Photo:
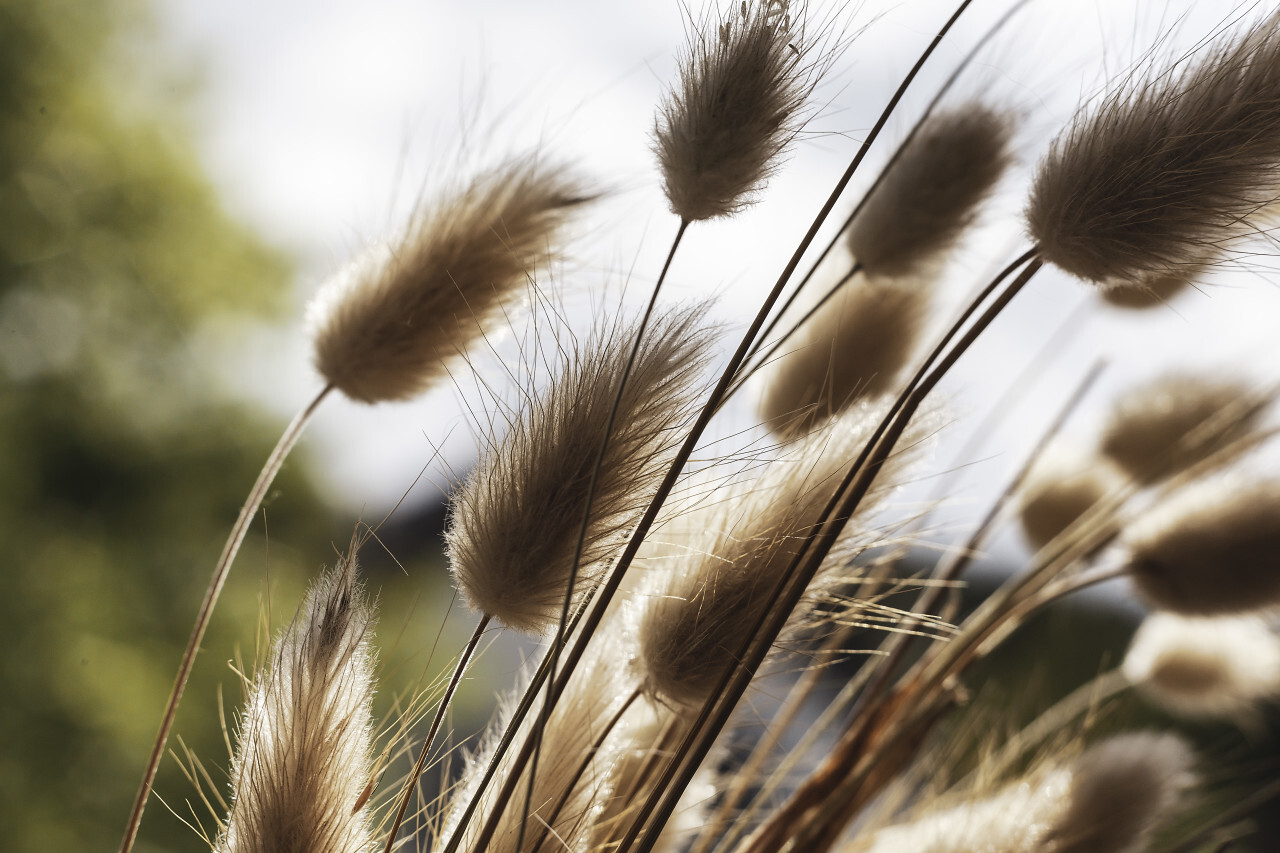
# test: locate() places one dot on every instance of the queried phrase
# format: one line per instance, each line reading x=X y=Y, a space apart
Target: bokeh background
x=178 y=177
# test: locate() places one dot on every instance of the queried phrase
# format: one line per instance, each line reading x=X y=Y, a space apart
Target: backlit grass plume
x=1163 y=173
x=1223 y=667
x=1162 y=427
x=303 y=755
x=514 y=524
x=742 y=97
x=1210 y=549
x=931 y=192
x=854 y=347
x=383 y=329
x=1063 y=485
x=700 y=612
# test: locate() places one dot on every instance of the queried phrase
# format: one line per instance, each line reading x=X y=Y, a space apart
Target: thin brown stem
x=458 y=671
x=545 y=712
x=799 y=324
x=220 y=571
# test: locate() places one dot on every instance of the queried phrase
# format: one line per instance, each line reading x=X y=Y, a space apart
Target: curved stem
x=808 y=315
x=236 y=538
x=545 y=712
x=458 y=671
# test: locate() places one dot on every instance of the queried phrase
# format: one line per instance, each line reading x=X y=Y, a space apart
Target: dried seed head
x=1205 y=667
x=1014 y=820
x=1171 y=424
x=854 y=347
x=741 y=100
x=1210 y=549
x=701 y=610
x=384 y=327
x=1063 y=485
x=1122 y=789
x=1152 y=292
x=303 y=761
x=514 y=523
x=1168 y=169
x=564 y=800
x=931 y=193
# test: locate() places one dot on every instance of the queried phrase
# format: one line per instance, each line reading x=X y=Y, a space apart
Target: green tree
x=122 y=467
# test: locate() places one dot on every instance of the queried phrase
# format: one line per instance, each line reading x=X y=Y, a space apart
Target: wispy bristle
x=514 y=523
x=1122 y=789
x=303 y=760
x=1062 y=486
x=1205 y=667
x=1168 y=169
x=741 y=100
x=931 y=193
x=1152 y=292
x=853 y=348
x=383 y=329
x=1210 y=549
x=564 y=802
x=701 y=610
x=1012 y=820
x=1168 y=425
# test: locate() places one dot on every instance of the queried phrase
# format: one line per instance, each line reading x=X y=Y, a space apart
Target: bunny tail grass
x=931 y=192
x=514 y=524
x=236 y=538
x=383 y=329
x=1169 y=169
x=740 y=101
x=303 y=756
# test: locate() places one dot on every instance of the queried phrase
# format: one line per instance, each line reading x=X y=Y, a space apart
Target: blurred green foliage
x=122 y=467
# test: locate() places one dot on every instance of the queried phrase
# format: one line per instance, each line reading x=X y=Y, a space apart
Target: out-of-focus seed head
x=1122 y=790
x=383 y=329
x=853 y=348
x=1168 y=425
x=744 y=84
x=1210 y=549
x=1220 y=667
x=1165 y=172
x=931 y=193
x=1061 y=486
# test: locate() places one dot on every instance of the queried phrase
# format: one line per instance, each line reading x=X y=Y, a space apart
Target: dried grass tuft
x=514 y=523
x=854 y=348
x=1167 y=170
x=383 y=329
x=1210 y=549
x=741 y=99
x=303 y=757
x=931 y=193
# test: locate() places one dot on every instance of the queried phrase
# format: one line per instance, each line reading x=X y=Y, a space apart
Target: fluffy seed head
x=1165 y=171
x=383 y=328
x=1014 y=820
x=302 y=760
x=1171 y=424
x=1152 y=292
x=1210 y=549
x=1205 y=667
x=1062 y=486
x=853 y=348
x=931 y=193
x=740 y=101
x=700 y=611
x=564 y=802
x=1122 y=789
x=514 y=523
